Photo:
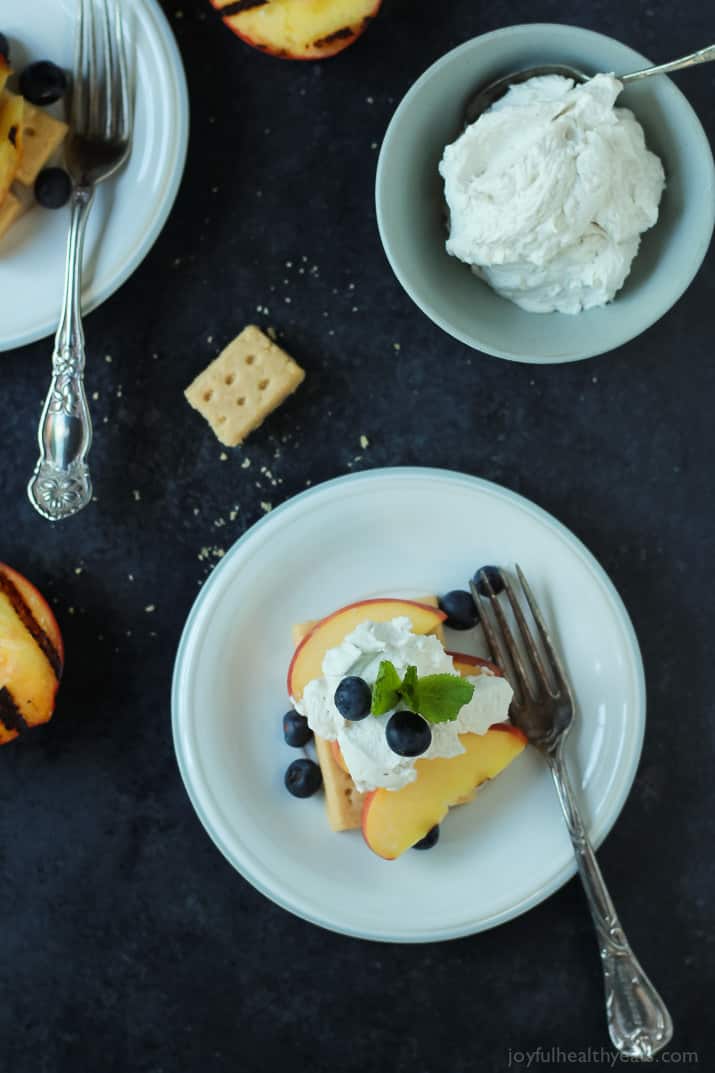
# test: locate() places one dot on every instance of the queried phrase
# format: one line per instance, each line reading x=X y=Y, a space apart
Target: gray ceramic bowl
x=410 y=215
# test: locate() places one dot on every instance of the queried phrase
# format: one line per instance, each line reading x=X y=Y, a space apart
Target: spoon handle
x=703 y=55
x=638 y=1021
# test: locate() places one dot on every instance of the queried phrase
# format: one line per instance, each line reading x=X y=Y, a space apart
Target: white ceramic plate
x=397 y=532
x=140 y=197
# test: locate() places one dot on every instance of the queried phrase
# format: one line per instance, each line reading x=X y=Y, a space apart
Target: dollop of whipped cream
x=549 y=192
x=371 y=761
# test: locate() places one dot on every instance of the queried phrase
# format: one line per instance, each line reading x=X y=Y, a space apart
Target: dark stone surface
x=127 y=942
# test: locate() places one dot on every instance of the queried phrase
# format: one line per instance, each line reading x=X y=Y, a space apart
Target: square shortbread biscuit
x=42 y=136
x=246 y=382
x=10 y=208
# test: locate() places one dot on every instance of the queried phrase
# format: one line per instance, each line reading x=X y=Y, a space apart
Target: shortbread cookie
x=343 y=802
x=42 y=136
x=10 y=209
x=246 y=382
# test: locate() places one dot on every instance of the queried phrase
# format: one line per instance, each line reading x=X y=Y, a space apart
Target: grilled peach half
x=31 y=656
x=298 y=29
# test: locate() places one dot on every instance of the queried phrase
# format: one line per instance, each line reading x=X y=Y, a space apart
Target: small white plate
x=131 y=209
x=401 y=532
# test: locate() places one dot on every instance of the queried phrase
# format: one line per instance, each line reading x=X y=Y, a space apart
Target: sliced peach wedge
x=308 y=657
x=393 y=820
x=467 y=665
x=298 y=29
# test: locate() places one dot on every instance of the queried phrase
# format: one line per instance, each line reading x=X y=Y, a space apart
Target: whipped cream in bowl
x=363 y=744
x=549 y=192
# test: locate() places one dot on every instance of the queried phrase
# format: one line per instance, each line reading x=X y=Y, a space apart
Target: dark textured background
x=127 y=943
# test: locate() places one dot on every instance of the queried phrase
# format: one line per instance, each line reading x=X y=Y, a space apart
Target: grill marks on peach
x=235 y=7
x=338 y=35
x=10 y=715
x=9 y=590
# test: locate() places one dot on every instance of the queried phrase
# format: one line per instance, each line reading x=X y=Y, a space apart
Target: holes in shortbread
x=208 y=395
x=221 y=419
x=250 y=359
x=263 y=384
x=229 y=379
x=240 y=400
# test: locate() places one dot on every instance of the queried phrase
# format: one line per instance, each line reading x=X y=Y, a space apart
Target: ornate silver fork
x=638 y=1021
x=98 y=144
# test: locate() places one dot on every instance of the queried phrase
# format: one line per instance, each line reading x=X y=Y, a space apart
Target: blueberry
x=4 y=47
x=303 y=778
x=43 y=82
x=408 y=734
x=53 y=187
x=353 y=698
x=460 y=609
x=296 y=730
x=494 y=580
x=431 y=839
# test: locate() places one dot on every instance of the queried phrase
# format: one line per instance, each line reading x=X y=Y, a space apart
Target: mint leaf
x=408 y=687
x=439 y=697
x=386 y=691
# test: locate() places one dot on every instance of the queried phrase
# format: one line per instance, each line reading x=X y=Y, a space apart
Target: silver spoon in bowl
x=485 y=97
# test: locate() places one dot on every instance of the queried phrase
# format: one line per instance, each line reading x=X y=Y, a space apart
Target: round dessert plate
x=131 y=209
x=403 y=532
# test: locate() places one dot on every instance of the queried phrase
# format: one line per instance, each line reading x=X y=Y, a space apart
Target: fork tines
x=100 y=106
x=507 y=640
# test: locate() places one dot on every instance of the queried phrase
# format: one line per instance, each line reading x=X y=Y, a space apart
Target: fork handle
x=638 y=1020
x=60 y=485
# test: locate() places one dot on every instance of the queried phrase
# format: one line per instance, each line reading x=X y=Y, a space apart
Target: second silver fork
x=98 y=144
x=638 y=1020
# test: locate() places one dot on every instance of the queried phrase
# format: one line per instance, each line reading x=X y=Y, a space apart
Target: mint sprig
x=386 y=691
x=438 y=698
x=408 y=690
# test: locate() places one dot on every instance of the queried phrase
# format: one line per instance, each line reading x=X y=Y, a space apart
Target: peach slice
x=473 y=665
x=31 y=655
x=393 y=820
x=298 y=29
x=307 y=659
